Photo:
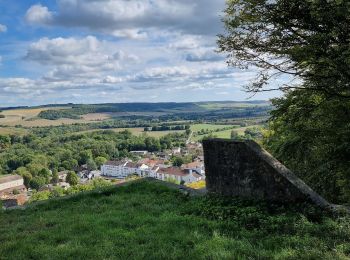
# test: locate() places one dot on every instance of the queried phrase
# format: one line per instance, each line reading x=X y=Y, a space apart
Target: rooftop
x=9 y=178
x=173 y=171
x=116 y=163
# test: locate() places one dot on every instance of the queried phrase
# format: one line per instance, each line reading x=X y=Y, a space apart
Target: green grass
x=198 y=127
x=225 y=133
x=149 y=221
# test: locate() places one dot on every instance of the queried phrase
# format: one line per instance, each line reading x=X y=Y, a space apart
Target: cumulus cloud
x=126 y=18
x=38 y=14
x=201 y=55
x=3 y=28
x=72 y=58
x=16 y=85
x=181 y=74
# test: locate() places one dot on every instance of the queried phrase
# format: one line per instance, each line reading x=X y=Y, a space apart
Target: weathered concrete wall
x=243 y=168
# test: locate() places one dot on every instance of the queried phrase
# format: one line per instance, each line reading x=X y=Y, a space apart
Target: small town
x=157 y=165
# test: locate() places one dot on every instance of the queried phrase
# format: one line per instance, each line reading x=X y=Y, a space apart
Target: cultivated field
x=29 y=118
x=199 y=127
x=223 y=134
x=12 y=131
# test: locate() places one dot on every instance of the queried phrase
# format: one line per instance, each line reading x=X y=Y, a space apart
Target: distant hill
x=169 y=110
x=150 y=221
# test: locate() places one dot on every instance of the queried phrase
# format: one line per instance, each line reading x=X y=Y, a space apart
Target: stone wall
x=243 y=168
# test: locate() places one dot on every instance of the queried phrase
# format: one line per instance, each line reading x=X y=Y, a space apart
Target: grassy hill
x=147 y=220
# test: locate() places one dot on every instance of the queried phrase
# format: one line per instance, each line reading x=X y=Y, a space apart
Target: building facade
x=10 y=183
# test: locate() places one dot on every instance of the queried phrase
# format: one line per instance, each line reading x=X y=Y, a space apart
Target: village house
x=118 y=169
x=179 y=175
x=154 y=168
x=196 y=166
x=10 y=183
x=139 y=153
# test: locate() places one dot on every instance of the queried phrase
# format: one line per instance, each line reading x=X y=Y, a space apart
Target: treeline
x=105 y=125
x=221 y=114
x=167 y=128
x=76 y=112
x=37 y=158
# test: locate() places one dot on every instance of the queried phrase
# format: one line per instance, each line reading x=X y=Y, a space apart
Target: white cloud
x=186 y=42
x=38 y=14
x=73 y=58
x=3 y=28
x=204 y=54
x=16 y=85
x=124 y=18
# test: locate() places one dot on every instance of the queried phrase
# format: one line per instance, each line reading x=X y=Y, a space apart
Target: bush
x=72 y=178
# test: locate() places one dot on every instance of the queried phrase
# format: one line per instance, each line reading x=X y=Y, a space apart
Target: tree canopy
x=307 y=42
x=305 y=39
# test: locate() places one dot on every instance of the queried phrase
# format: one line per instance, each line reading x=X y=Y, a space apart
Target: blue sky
x=94 y=51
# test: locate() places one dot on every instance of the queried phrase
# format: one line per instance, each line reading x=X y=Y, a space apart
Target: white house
x=118 y=169
x=10 y=183
x=139 y=152
x=193 y=176
x=178 y=174
x=196 y=166
x=189 y=173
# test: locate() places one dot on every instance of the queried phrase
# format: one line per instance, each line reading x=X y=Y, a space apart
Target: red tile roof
x=192 y=165
x=173 y=171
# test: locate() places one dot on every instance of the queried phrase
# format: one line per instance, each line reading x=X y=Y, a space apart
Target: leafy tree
x=306 y=39
x=55 y=177
x=27 y=176
x=177 y=161
x=35 y=168
x=91 y=165
x=72 y=178
x=45 y=173
x=5 y=142
x=314 y=142
x=84 y=156
x=100 y=161
x=70 y=164
x=41 y=195
x=306 y=42
x=37 y=182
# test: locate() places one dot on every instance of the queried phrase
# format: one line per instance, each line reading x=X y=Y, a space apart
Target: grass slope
x=149 y=221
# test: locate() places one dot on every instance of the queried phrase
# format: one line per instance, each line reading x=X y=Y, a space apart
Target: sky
x=100 y=51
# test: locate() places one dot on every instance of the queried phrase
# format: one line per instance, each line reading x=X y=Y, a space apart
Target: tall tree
x=305 y=39
x=72 y=178
x=307 y=42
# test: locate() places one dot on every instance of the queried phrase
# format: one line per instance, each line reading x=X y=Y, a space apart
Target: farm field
x=28 y=118
x=199 y=127
x=12 y=131
x=226 y=134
